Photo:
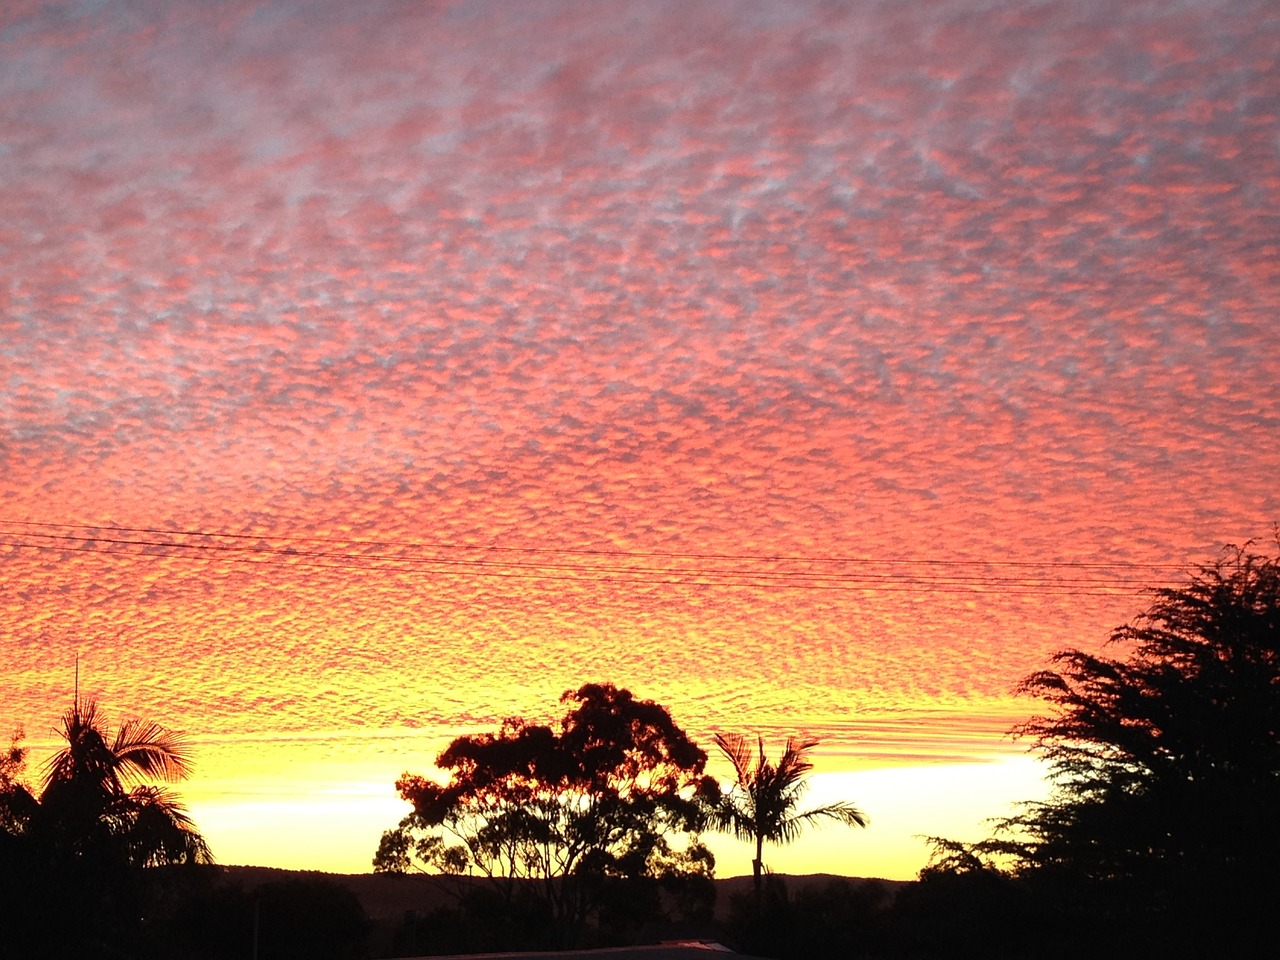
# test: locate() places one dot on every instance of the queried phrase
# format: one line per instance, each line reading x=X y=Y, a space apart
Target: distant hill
x=387 y=901
x=387 y=897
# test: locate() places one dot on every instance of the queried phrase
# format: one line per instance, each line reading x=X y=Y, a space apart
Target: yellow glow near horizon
x=321 y=821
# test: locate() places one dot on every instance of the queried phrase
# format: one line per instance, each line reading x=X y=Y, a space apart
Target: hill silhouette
x=386 y=896
x=389 y=900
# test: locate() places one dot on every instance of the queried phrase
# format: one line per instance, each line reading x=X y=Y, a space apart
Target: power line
x=903 y=584
x=413 y=559
x=848 y=574
x=497 y=548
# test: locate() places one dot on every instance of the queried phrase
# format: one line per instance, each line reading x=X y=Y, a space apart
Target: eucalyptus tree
x=562 y=820
x=762 y=804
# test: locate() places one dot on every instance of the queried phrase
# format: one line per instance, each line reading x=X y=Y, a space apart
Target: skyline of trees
x=1160 y=834
x=1160 y=831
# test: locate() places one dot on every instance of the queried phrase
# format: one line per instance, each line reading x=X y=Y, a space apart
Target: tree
x=1166 y=766
x=555 y=819
x=17 y=808
x=17 y=805
x=87 y=800
x=79 y=854
x=761 y=804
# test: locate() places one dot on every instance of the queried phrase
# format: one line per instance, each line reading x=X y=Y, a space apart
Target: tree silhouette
x=87 y=800
x=1161 y=829
x=75 y=860
x=556 y=819
x=17 y=805
x=761 y=805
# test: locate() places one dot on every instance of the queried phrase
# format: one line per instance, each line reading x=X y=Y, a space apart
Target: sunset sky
x=370 y=372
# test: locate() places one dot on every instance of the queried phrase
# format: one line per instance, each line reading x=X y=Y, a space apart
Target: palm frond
x=793 y=765
x=159 y=829
x=842 y=812
x=738 y=750
x=86 y=757
x=734 y=816
x=146 y=749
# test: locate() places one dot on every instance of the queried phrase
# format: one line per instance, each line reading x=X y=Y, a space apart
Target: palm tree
x=761 y=804
x=78 y=851
x=96 y=792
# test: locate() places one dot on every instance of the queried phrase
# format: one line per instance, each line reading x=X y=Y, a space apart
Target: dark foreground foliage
x=300 y=918
x=475 y=918
x=81 y=856
x=1162 y=835
x=98 y=862
x=837 y=919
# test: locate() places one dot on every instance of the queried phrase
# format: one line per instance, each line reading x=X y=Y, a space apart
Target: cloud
x=958 y=281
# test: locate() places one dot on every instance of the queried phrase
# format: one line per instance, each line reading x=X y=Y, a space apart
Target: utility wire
x=290 y=552
x=850 y=574
x=903 y=584
x=450 y=545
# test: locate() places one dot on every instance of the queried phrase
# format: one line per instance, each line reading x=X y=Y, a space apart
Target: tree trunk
x=757 y=866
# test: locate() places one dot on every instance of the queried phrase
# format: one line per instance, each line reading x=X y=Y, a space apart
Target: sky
x=372 y=372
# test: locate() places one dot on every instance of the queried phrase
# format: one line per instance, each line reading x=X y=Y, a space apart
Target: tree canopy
x=562 y=814
x=1165 y=762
